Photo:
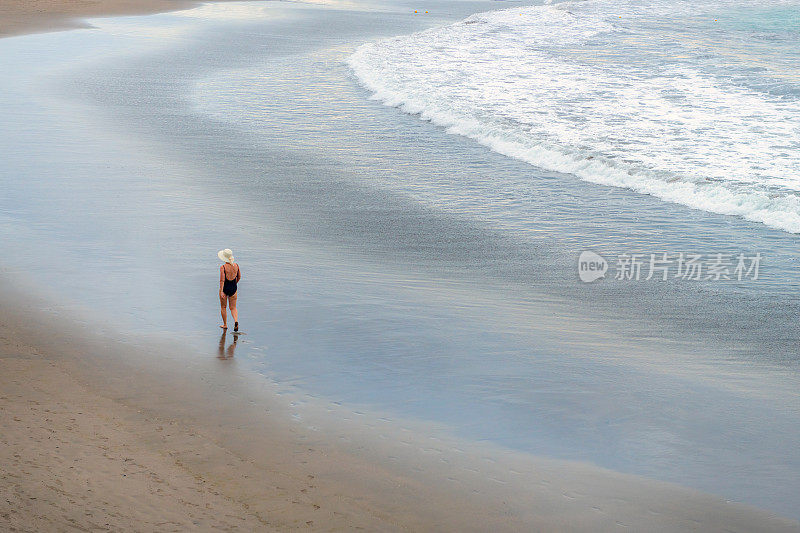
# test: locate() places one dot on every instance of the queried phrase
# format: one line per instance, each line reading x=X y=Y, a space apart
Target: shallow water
x=387 y=264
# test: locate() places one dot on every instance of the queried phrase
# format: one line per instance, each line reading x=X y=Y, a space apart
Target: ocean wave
x=669 y=99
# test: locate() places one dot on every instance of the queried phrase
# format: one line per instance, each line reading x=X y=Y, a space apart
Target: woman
x=229 y=276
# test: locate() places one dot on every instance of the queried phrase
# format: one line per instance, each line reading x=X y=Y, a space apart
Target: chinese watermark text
x=665 y=266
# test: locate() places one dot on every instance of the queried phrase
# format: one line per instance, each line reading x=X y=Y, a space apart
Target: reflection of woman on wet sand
x=229 y=276
x=226 y=354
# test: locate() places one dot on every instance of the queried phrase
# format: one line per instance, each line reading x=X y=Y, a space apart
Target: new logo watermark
x=664 y=266
x=591 y=266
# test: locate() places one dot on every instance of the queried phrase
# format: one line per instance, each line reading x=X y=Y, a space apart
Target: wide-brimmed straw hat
x=226 y=255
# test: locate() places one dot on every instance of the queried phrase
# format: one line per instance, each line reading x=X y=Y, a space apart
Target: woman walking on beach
x=229 y=276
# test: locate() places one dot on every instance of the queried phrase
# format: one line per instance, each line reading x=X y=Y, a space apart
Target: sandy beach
x=93 y=440
x=105 y=429
x=81 y=463
x=27 y=16
x=85 y=447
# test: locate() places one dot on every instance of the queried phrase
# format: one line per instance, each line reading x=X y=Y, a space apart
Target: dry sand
x=71 y=458
x=28 y=16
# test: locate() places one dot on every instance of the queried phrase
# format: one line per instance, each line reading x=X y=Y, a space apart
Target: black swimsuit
x=229 y=287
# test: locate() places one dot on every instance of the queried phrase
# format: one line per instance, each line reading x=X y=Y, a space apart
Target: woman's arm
x=238 y=273
x=221 y=279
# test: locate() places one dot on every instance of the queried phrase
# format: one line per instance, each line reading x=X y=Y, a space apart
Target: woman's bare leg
x=232 y=304
x=223 y=300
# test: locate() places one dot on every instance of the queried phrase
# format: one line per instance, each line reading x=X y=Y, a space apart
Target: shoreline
x=139 y=435
x=199 y=449
x=234 y=436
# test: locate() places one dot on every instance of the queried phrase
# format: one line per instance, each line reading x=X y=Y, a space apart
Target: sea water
x=388 y=264
x=693 y=102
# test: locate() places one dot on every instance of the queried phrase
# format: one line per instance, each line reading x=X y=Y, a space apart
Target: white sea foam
x=694 y=103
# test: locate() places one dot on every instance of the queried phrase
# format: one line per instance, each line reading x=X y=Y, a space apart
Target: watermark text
x=665 y=266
